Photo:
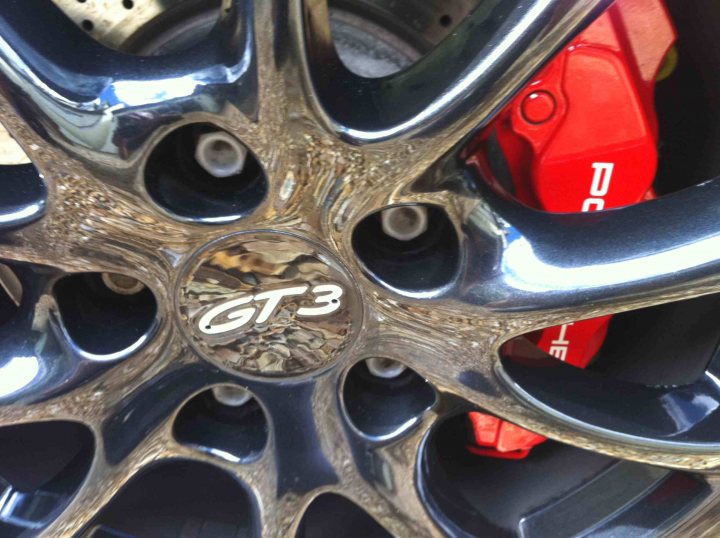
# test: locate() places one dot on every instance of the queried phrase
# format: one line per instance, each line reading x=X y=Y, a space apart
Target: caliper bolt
x=405 y=222
x=231 y=396
x=384 y=368
x=538 y=107
x=220 y=154
x=122 y=284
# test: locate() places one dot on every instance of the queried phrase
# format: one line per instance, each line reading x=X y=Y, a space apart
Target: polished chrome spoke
x=312 y=450
x=90 y=117
x=671 y=426
x=456 y=86
x=71 y=243
x=50 y=378
x=71 y=389
x=103 y=105
x=547 y=268
x=132 y=425
x=323 y=454
x=526 y=269
x=307 y=453
x=390 y=490
x=105 y=480
x=412 y=118
x=308 y=443
x=665 y=426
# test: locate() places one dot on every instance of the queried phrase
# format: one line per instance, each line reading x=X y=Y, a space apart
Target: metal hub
x=269 y=304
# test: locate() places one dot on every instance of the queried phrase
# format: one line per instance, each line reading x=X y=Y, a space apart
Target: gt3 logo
x=326 y=300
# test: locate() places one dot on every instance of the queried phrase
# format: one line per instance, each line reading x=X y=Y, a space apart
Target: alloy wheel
x=264 y=291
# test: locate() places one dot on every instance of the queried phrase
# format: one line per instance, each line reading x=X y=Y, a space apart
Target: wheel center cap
x=268 y=304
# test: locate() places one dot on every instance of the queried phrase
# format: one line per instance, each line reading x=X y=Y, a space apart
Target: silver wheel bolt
x=122 y=284
x=231 y=396
x=404 y=222
x=385 y=368
x=220 y=154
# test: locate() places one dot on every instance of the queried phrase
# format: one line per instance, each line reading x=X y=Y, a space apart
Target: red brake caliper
x=581 y=136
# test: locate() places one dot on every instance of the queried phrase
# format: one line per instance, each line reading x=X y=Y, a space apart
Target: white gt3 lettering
x=329 y=300
x=326 y=301
x=272 y=300
x=599 y=187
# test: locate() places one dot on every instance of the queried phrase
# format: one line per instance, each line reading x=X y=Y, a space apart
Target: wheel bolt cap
x=231 y=396
x=384 y=368
x=220 y=154
x=122 y=284
x=405 y=223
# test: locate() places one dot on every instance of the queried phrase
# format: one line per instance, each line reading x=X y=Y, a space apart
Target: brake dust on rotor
x=582 y=136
